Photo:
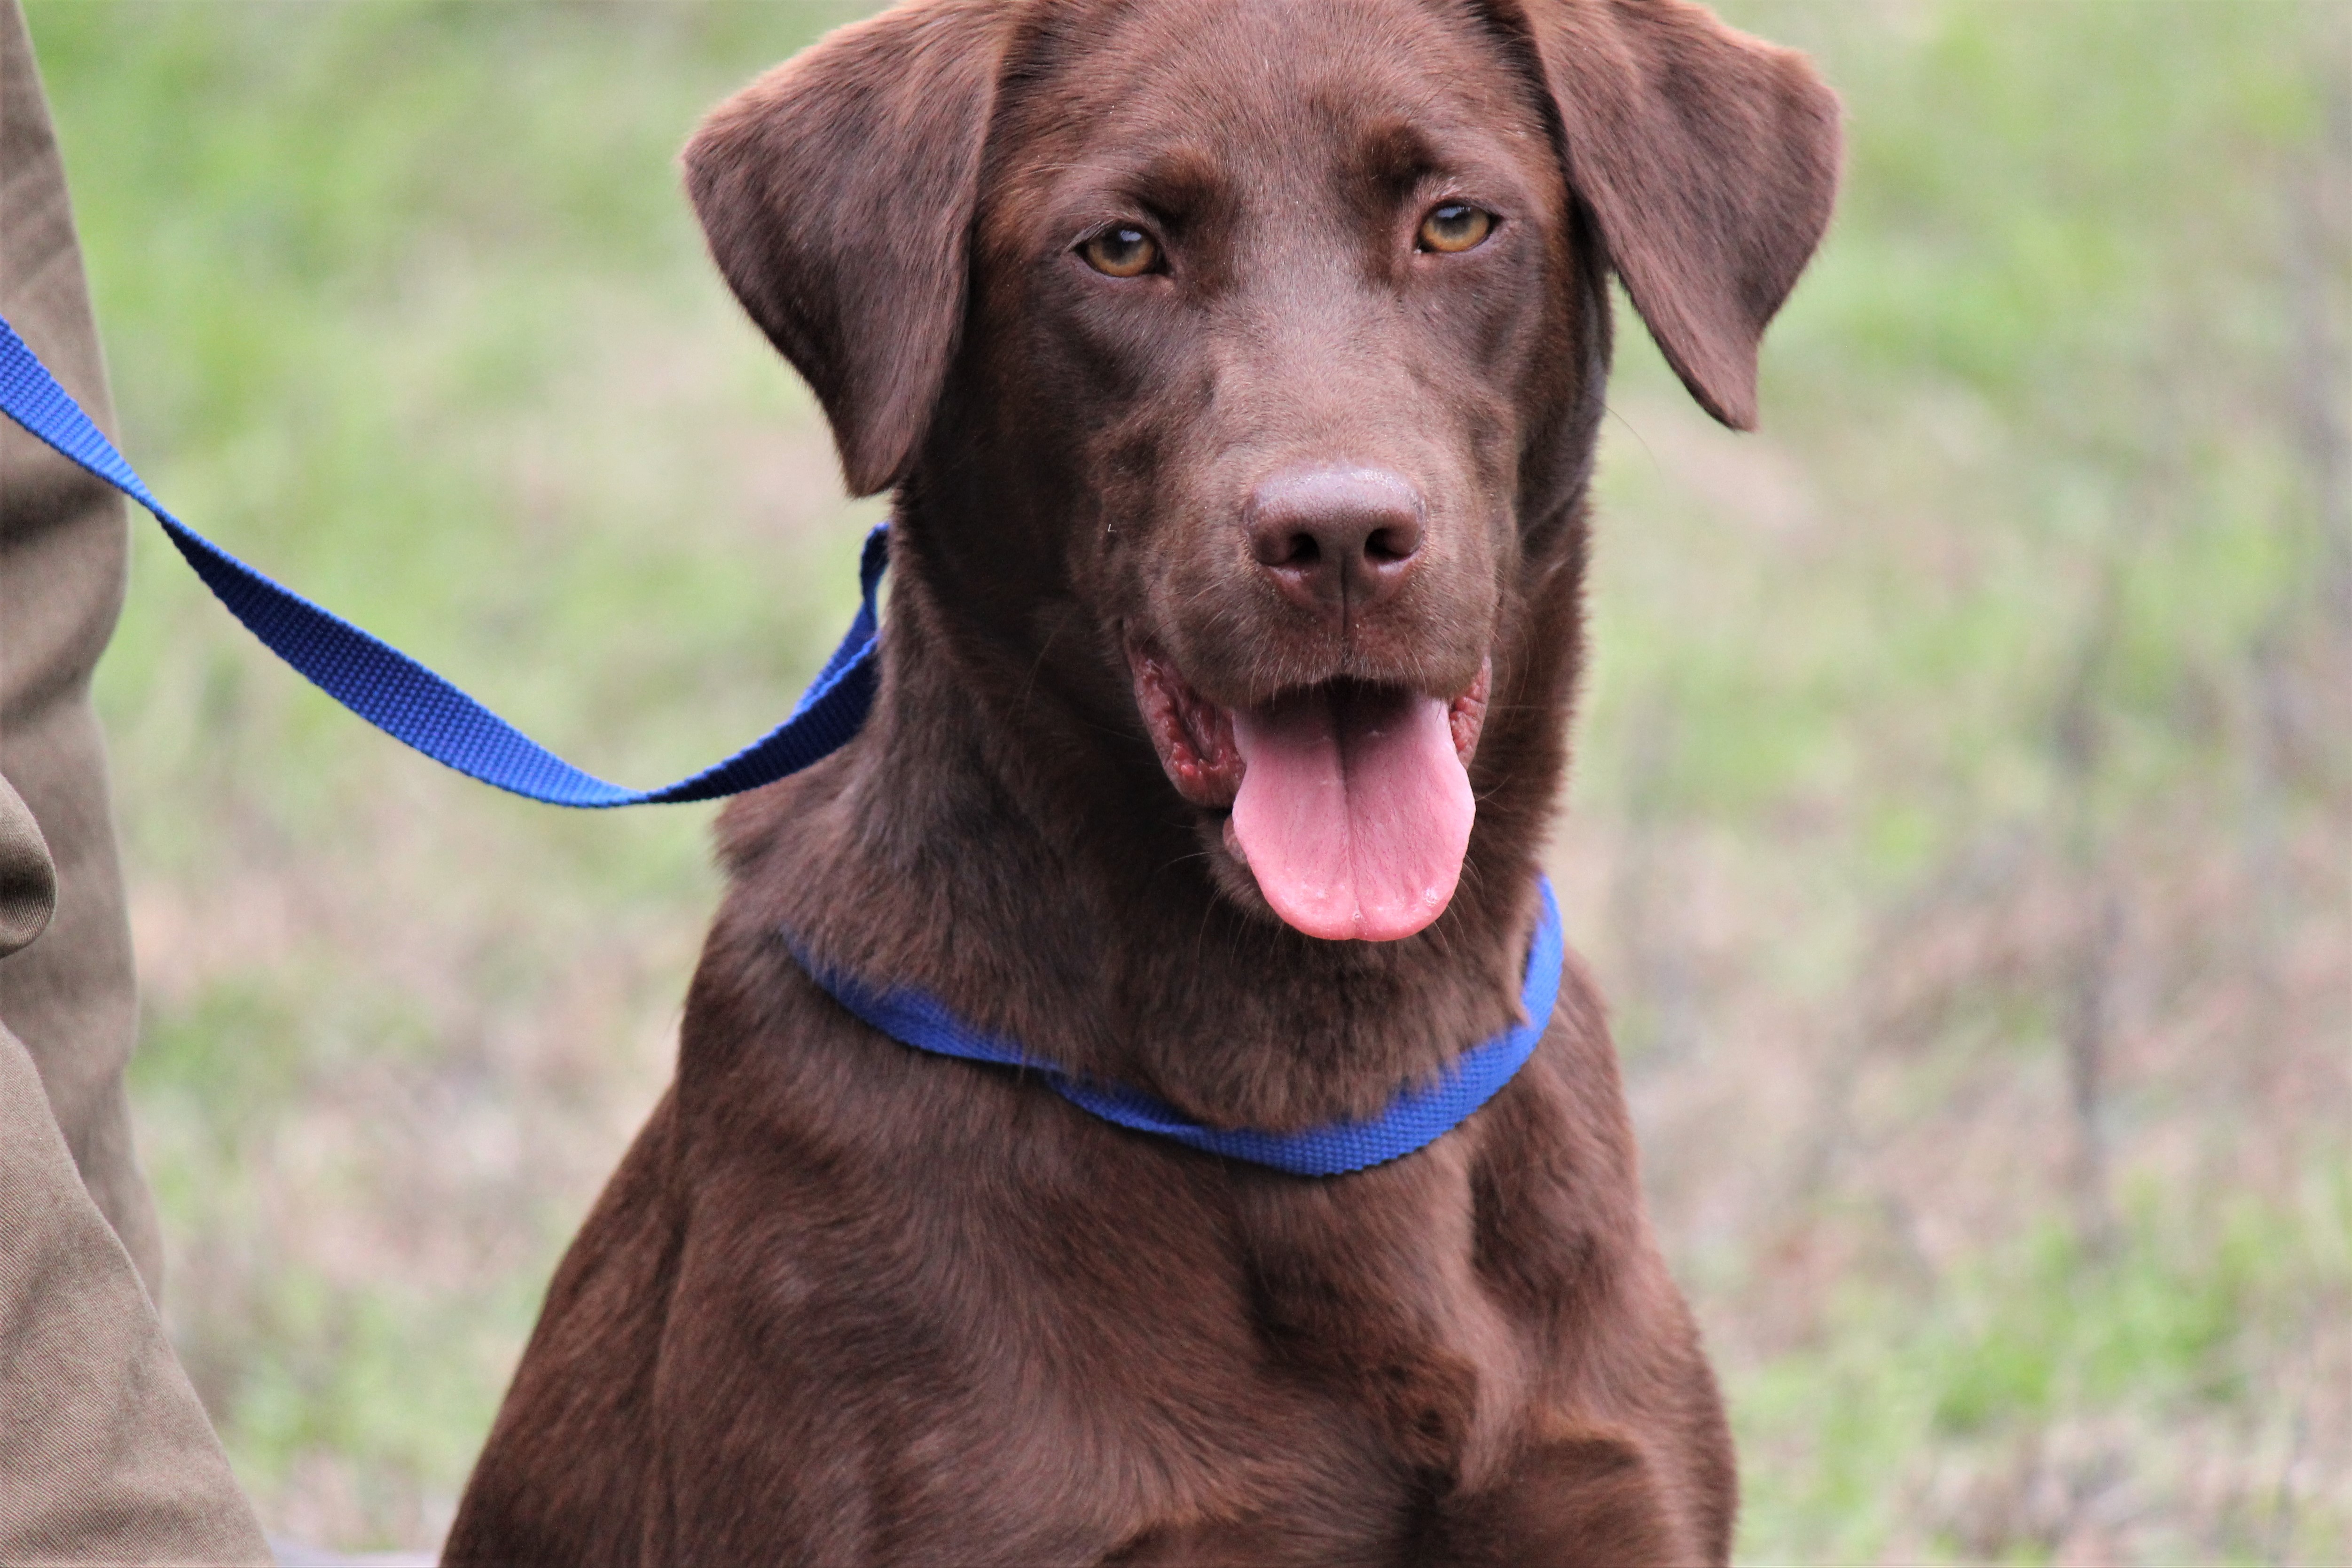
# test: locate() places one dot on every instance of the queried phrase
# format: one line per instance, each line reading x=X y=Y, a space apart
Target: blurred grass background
x=1961 y=824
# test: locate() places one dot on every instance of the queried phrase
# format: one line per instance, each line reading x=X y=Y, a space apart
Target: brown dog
x=1237 y=365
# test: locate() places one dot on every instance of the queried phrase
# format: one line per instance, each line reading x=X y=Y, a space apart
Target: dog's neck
x=994 y=837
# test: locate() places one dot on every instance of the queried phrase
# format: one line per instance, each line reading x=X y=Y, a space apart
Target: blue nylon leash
x=1415 y=1119
x=415 y=706
x=410 y=702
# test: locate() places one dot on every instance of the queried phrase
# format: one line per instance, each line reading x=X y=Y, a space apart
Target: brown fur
x=846 y=1302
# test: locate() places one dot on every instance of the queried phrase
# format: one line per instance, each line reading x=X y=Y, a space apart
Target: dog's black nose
x=1336 y=538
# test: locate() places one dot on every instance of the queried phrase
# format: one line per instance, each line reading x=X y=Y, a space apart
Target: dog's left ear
x=1709 y=160
x=837 y=193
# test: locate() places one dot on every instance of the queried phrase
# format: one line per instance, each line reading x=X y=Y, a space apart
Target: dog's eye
x=1122 y=251
x=1457 y=225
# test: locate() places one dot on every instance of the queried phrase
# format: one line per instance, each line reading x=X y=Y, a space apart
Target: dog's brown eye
x=1122 y=252
x=1457 y=225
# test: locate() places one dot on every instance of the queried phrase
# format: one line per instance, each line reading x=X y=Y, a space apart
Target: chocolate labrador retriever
x=1236 y=365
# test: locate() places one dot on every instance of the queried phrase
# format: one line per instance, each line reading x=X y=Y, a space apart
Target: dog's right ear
x=836 y=193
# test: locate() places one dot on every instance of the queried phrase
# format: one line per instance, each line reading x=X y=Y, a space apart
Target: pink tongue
x=1354 y=811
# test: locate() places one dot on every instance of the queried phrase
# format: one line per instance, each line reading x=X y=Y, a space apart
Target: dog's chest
x=1268 y=1370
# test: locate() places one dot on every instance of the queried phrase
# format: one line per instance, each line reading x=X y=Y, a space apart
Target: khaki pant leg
x=105 y=1454
x=69 y=997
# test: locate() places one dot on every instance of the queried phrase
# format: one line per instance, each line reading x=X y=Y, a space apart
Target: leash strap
x=410 y=702
x=1415 y=1120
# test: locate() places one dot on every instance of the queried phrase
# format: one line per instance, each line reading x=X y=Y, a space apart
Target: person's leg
x=105 y=1454
x=69 y=997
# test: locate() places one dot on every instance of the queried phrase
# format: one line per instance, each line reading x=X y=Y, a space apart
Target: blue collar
x=414 y=705
x=1418 y=1116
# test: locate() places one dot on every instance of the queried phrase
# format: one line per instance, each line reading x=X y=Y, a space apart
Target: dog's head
x=1241 y=360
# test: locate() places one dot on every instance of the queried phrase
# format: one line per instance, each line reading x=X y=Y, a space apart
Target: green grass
x=2022 y=1363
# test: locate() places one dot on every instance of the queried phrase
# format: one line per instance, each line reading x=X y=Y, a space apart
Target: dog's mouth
x=1348 y=801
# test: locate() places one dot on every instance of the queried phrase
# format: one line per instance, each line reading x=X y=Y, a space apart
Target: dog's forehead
x=1213 y=87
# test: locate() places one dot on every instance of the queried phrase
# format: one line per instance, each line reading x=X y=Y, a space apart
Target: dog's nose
x=1336 y=538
